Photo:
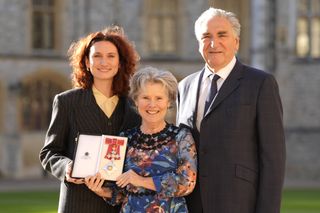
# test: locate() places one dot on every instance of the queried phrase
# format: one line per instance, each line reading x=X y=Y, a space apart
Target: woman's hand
x=130 y=177
x=68 y=175
x=94 y=183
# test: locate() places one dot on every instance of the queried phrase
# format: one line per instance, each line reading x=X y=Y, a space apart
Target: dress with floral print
x=169 y=157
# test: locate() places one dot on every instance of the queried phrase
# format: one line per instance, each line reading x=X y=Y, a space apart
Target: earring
x=88 y=69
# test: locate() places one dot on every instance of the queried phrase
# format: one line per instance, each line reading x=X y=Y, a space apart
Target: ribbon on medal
x=113 y=151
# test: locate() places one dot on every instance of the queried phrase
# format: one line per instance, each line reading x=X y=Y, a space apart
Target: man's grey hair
x=214 y=12
x=153 y=75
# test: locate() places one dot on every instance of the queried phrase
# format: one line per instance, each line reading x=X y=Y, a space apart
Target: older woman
x=160 y=166
x=102 y=63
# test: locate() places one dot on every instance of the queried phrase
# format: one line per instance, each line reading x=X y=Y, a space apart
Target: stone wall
x=298 y=80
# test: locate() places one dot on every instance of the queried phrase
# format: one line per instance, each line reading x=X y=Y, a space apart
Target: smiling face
x=103 y=61
x=152 y=103
x=218 y=43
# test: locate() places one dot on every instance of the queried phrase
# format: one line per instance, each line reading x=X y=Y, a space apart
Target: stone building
x=281 y=37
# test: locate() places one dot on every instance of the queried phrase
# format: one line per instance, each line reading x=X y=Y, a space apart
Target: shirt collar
x=224 y=72
x=98 y=94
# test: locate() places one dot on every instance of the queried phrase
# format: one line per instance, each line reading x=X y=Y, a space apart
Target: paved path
x=302 y=184
x=7 y=185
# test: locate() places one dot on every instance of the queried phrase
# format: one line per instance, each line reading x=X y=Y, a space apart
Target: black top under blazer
x=76 y=111
x=241 y=145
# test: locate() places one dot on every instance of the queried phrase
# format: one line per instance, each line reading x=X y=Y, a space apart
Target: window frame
x=45 y=10
x=308 y=15
x=161 y=15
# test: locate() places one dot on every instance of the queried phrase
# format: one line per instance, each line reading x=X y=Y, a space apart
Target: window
x=36 y=102
x=161 y=26
x=43 y=18
x=308 y=29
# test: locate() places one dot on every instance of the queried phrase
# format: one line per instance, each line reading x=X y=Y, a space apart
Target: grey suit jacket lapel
x=198 y=85
x=231 y=83
x=189 y=92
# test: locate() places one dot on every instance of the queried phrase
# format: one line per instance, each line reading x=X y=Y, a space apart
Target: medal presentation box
x=96 y=153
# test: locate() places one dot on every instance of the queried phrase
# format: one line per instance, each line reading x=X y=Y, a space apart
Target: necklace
x=155 y=141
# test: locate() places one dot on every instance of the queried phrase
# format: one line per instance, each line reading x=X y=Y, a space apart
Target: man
x=240 y=137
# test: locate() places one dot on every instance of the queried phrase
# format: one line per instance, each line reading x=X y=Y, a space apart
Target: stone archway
x=37 y=93
x=35 y=103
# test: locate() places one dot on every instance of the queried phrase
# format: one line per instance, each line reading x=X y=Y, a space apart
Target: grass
x=301 y=201
x=294 y=201
x=29 y=202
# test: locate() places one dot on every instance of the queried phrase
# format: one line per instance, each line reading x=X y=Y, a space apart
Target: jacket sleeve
x=183 y=180
x=271 y=147
x=52 y=155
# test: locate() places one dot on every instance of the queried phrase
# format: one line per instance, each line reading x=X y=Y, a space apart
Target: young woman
x=102 y=64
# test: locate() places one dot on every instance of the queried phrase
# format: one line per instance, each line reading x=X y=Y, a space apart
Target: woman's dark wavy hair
x=128 y=59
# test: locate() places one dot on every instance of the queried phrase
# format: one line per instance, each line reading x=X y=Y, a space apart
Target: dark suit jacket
x=77 y=111
x=241 y=145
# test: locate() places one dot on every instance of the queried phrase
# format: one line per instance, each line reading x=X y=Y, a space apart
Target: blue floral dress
x=169 y=157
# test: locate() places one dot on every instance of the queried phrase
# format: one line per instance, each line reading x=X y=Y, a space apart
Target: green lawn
x=294 y=201
x=301 y=201
x=29 y=202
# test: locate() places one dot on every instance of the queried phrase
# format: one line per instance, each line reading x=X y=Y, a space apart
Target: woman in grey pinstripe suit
x=102 y=64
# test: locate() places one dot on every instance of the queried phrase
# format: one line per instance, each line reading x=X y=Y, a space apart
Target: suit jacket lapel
x=88 y=111
x=189 y=92
x=198 y=81
x=231 y=83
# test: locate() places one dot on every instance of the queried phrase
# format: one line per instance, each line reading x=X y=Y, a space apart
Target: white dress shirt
x=206 y=83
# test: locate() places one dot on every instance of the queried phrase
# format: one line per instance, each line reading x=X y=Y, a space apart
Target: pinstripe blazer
x=241 y=146
x=77 y=111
